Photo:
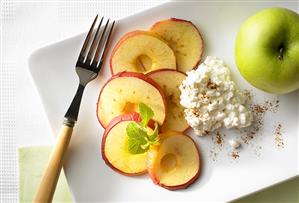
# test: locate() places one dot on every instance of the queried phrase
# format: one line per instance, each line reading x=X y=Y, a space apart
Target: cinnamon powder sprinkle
x=234 y=154
x=218 y=139
x=212 y=85
x=251 y=132
x=278 y=136
x=258 y=111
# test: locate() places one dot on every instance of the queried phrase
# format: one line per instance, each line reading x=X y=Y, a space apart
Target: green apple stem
x=280 y=56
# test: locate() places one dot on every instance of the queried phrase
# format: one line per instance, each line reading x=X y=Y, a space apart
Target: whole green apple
x=267 y=50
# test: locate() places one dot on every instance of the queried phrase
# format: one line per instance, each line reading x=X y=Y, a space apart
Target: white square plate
x=223 y=179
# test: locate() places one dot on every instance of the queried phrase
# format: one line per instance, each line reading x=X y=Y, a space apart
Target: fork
x=87 y=67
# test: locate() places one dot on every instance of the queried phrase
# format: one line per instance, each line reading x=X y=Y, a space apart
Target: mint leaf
x=137 y=139
x=134 y=147
x=154 y=136
x=146 y=114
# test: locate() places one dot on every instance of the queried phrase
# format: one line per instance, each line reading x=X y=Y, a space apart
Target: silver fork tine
x=99 y=45
x=98 y=59
x=86 y=42
x=93 y=44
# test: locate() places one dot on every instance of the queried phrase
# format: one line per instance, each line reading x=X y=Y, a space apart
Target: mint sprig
x=139 y=141
x=153 y=138
x=146 y=114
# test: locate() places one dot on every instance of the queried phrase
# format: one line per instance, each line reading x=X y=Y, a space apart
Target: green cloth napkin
x=286 y=192
x=32 y=161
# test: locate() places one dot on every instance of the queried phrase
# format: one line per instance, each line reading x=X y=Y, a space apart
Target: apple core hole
x=129 y=108
x=168 y=162
x=144 y=63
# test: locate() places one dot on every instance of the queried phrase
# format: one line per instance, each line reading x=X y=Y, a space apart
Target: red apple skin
x=124 y=38
x=185 y=21
x=181 y=186
x=166 y=69
x=137 y=75
x=185 y=131
x=126 y=117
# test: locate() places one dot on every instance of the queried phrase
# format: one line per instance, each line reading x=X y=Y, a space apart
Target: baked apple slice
x=175 y=163
x=141 y=51
x=185 y=40
x=115 y=147
x=122 y=94
x=170 y=80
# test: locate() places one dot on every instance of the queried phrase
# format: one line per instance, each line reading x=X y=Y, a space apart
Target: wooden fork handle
x=46 y=189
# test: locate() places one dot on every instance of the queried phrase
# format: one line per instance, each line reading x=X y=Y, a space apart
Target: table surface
x=25 y=26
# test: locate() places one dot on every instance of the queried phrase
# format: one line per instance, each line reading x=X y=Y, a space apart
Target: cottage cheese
x=211 y=99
